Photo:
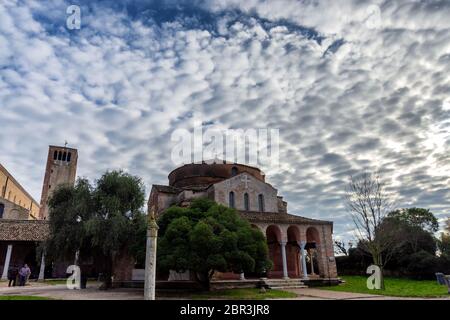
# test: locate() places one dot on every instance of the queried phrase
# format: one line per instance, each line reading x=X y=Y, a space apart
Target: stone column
x=283 y=255
x=42 y=268
x=150 y=258
x=302 y=245
x=311 y=254
x=7 y=261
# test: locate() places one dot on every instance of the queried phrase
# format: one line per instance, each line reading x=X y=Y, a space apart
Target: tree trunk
x=107 y=280
x=83 y=272
x=381 y=278
x=204 y=280
x=378 y=261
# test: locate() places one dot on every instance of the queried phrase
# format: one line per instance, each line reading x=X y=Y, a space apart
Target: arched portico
x=314 y=264
x=293 y=252
x=276 y=246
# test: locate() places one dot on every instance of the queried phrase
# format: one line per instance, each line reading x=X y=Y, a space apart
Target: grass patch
x=250 y=294
x=24 y=298
x=396 y=287
x=63 y=281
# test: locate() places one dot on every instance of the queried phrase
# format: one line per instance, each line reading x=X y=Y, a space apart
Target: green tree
x=208 y=237
x=69 y=208
x=444 y=242
x=417 y=217
x=412 y=231
x=101 y=223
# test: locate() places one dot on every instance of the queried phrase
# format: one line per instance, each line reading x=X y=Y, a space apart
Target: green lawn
x=23 y=298
x=63 y=281
x=394 y=287
x=250 y=294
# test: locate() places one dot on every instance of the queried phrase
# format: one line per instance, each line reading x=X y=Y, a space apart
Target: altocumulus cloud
x=348 y=93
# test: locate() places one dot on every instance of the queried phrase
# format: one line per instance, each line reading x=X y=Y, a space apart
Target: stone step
x=284 y=283
x=288 y=287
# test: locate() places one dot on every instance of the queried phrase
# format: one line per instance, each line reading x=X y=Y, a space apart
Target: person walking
x=12 y=276
x=24 y=273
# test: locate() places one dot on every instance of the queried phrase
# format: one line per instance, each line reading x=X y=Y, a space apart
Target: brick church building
x=299 y=247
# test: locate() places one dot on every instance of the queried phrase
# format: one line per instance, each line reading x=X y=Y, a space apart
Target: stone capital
x=302 y=244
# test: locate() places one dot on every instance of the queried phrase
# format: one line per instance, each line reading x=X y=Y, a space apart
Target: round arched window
x=231 y=199
x=246 y=202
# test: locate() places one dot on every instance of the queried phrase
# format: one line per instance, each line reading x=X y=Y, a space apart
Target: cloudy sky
x=351 y=85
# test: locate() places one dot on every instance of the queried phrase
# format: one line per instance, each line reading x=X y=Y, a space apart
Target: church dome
x=204 y=174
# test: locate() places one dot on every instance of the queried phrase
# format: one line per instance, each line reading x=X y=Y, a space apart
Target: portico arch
x=273 y=236
x=293 y=252
x=313 y=239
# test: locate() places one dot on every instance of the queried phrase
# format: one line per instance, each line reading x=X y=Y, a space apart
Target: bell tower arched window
x=234 y=171
x=231 y=199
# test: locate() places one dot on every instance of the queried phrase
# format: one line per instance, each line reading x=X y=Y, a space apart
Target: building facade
x=22 y=219
x=15 y=201
x=299 y=247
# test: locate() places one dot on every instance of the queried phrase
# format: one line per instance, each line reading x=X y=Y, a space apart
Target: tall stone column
x=283 y=255
x=7 y=261
x=42 y=268
x=311 y=254
x=150 y=257
x=302 y=245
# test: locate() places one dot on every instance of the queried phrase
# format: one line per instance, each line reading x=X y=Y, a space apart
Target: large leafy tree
x=413 y=229
x=444 y=243
x=69 y=208
x=100 y=223
x=208 y=237
x=417 y=218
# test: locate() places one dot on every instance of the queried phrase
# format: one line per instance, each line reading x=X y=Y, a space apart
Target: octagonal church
x=299 y=247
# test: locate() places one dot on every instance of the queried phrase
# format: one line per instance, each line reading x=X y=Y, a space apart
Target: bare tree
x=369 y=203
x=340 y=248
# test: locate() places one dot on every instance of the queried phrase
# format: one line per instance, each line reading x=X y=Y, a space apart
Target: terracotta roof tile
x=166 y=189
x=23 y=230
x=276 y=217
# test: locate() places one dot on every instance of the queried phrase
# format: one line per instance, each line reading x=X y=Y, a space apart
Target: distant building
x=20 y=231
x=15 y=201
x=61 y=169
x=22 y=219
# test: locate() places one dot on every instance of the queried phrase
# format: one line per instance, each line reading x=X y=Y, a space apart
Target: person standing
x=24 y=274
x=12 y=276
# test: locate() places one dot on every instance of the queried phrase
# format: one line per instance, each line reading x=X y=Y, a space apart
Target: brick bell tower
x=61 y=169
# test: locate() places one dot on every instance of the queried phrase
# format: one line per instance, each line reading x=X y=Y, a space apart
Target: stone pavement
x=61 y=292
x=320 y=294
x=92 y=293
